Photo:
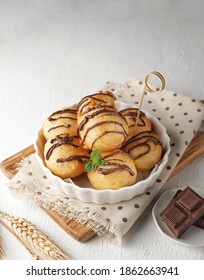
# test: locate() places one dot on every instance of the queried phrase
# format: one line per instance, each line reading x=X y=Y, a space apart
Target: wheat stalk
x=29 y=234
x=1 y=250
x=32 y=254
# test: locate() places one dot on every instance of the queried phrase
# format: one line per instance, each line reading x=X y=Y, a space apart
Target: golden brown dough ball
x=118 y=172
x=64 y=156
x=92 y=100
x=100 y=126
x=62 y=121
x=145 y=149
x=130 y=115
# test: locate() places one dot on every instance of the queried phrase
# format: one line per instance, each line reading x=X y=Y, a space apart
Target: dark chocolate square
x=174 y=216
x=190 y=201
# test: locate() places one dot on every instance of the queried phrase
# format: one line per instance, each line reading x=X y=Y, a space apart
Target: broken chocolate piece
x=183 y=211
x=200 y=222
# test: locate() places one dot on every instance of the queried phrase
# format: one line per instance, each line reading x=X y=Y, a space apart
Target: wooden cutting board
x=81 y=232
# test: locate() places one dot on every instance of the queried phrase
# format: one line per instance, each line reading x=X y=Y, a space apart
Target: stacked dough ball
x=142 y=144
x=72 y=133
x=63 y=152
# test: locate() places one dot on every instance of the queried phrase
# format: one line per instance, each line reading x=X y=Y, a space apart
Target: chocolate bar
x=200 y=222
x=183 y=211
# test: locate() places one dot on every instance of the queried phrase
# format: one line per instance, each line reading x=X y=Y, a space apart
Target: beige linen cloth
x=181 y=116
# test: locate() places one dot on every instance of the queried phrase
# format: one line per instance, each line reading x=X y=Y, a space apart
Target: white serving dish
x=89 y=194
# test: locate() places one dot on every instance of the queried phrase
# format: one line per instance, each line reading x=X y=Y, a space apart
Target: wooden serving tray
x=81 y=232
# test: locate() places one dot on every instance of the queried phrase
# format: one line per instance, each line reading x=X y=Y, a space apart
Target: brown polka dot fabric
x=136 y=205
x=180 y=115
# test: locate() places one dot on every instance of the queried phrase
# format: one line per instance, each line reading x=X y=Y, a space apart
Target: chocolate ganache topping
x=60 y=112
x=54 y=127
x=96 y=97
x=80 y=158
x=61 y=115
x=115 y=166
x=103 y=112
x=124 y=133
x=146 y=137
x=60 y=140
x=132 y=113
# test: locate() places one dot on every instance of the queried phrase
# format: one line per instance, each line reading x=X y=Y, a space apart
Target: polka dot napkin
x=181 y=116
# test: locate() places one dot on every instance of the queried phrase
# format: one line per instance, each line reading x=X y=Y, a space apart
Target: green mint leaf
x=96 y=160
x=89 y=166
x=102 y=162
x=95 y=156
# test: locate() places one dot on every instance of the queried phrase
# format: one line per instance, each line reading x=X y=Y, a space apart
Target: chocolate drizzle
x=93 y=96
x=98 y=106
x=106 y=132
x=132 y=114
x=103 y=112
x=60 y=113
x=67 y=110
x=86 y=98
x=101 y=123
x=144 y=144
x=116 y=166
x=79 y=158
x=132 y=143
x=134 y=138
x=55 y=127
x=84 y=105
x=59 y=141
x=61 y=117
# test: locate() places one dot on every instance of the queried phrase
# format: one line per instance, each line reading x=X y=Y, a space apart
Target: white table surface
x=54 y=52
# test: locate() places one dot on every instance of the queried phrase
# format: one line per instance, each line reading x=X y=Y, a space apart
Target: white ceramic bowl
x=89 y=194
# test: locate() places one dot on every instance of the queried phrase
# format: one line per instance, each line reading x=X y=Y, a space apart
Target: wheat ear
x=29 y=234
x=1 y=249
x=32 y=254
